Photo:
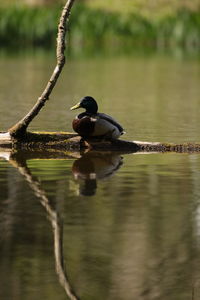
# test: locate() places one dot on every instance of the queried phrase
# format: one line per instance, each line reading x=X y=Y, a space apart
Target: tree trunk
x=65 y=141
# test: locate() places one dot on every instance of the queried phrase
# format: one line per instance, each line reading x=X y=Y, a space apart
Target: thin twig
x=19 y=129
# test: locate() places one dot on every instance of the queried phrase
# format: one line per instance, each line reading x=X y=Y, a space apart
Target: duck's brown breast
x=84 y=126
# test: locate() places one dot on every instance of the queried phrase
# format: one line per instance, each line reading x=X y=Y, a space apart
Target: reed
x=27 y=26
x=23 y=26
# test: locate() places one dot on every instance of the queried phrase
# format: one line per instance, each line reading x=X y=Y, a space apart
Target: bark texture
x=65 y=141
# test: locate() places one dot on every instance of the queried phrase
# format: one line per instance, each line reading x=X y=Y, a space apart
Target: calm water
x=104 y=225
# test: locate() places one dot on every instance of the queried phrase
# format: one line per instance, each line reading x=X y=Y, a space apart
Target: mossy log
x=66 y=141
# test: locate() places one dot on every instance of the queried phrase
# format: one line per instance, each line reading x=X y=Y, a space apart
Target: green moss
x=65 y=141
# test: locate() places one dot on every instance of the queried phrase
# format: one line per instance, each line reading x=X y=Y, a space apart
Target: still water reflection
x=136 y=237
x=102 y=225
x=94 y=166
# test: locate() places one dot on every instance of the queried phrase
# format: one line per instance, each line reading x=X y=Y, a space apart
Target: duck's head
x=88 y=103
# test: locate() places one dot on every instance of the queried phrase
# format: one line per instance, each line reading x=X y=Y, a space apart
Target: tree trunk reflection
x=55 y=220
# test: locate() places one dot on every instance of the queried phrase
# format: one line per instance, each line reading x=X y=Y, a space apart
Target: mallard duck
x=93 y=124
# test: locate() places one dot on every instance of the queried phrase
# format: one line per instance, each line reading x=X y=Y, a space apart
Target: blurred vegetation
x=150 y=7
x=91 y=26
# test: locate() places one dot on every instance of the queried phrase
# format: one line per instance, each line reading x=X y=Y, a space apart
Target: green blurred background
x=165 y=24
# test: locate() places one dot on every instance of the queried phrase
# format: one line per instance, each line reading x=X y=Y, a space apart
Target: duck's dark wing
x=111 y=120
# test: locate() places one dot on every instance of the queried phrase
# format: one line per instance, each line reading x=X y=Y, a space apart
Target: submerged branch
x=19 y=129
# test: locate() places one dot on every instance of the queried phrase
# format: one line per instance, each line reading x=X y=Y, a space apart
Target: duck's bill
x=75 y=106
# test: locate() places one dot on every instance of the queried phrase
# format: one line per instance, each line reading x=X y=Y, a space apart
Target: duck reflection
x=94 y=166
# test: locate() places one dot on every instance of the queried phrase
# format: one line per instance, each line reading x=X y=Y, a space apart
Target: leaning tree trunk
x=19 y=129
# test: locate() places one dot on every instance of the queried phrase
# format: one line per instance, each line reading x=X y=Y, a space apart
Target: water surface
x=154 y=97
x=103 y=226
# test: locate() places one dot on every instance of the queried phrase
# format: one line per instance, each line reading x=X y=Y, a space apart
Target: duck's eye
x=85 y=103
